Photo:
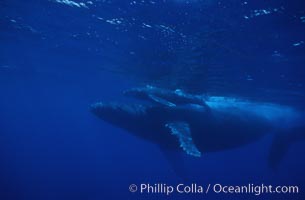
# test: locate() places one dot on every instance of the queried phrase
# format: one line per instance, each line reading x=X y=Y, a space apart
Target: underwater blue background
x=57 y=57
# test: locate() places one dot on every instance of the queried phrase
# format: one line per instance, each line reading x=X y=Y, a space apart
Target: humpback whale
x=196 y=124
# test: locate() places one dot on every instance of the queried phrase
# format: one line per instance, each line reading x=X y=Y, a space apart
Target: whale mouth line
x=107 y=105
x=121 y=107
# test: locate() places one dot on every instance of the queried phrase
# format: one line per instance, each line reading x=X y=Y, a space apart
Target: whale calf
x=164 y=96
x=196 y=125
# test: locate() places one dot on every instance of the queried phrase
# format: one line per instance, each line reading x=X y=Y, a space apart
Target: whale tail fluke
x=281 y=144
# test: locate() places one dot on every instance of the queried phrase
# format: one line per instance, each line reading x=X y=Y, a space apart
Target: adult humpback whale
x=198 y=124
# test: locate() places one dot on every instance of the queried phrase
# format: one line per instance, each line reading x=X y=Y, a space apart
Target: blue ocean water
x=57 y=57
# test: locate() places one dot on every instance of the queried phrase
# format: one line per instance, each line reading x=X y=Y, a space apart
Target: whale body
x=196 y=125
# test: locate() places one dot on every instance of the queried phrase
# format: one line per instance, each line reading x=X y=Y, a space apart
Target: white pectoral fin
x=161 y=101
x=182 y=131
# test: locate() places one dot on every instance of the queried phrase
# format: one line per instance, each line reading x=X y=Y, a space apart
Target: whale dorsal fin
x=182 y=131
x=161 y=100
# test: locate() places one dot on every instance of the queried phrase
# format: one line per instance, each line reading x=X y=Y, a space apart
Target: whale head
x=122 y=115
